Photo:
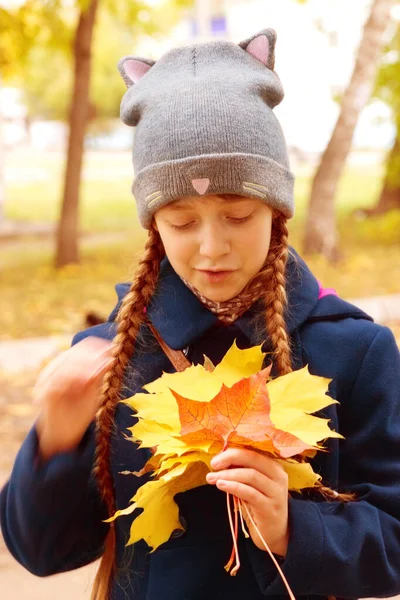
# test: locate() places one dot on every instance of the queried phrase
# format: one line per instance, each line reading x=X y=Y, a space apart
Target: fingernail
x=222 y=484
x=215 y=462
x=211 y=477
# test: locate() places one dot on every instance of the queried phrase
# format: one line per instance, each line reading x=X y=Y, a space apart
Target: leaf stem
x=232 y=556
x=236 y=507
x=234 y=531
x=244 y=529
x=291 y=595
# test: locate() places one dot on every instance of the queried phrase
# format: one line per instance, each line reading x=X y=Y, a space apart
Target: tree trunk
x=320 y=231
x=389 y=200
x=67 y=235
x=390 y=194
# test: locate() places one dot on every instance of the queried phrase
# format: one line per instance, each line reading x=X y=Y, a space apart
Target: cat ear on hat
x=262 y=47
x=133 y=68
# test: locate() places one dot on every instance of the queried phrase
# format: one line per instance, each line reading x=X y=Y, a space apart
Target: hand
x=262 y=484
x=68 y=390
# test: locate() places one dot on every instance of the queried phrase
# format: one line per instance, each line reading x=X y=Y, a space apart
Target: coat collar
x=181 y=318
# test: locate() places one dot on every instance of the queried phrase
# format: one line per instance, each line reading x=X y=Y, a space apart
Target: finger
x=97 y=348
x=51 y=366
x=96 y=344
x=46 y=376
x=77 y=379
x=244 y=457
x=96 y=351
x=101 y=368
x=251 y=477
x=244 y=492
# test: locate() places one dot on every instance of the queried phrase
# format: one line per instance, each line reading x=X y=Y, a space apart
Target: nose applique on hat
x=201 y=185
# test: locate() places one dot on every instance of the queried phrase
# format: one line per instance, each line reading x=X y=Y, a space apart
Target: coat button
x=177 y=533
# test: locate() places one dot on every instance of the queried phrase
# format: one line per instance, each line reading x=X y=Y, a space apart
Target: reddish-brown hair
x=130 y=319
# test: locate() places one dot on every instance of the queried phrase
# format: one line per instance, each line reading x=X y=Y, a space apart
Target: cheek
x=178 y=250
x=256 y=246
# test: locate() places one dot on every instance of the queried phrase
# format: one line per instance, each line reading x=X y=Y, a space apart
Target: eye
x=183 y=226
x=240 y=219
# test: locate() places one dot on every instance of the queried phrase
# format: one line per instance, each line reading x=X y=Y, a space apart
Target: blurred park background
x=68 y=226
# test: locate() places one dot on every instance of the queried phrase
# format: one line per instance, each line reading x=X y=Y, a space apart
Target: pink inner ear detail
x=135 y=69
x=259 y=48
x=201 y=185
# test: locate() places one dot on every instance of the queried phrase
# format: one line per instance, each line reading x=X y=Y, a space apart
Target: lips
x=215 y=276
x=216 y=270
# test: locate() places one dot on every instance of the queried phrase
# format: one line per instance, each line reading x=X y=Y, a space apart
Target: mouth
x=216 y=275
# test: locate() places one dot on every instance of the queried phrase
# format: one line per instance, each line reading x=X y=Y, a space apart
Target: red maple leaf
x=239 y=415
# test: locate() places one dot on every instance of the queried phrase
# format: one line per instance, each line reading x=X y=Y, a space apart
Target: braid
x=129 y=319
x=275 y=297
x=275 y=302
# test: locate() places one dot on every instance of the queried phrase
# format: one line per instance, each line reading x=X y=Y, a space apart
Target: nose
x=214 y=241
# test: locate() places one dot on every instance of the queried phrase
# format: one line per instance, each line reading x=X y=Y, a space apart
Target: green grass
x=106 y=206
x=106 y=200
x=37 y=300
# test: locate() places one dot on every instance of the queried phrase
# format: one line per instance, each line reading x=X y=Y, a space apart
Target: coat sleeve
x=352 y=550
x=51 y=512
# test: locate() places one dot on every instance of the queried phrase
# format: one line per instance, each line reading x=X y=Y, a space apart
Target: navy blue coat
x=51 y=513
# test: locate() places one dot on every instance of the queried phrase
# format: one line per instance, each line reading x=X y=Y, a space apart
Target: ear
x=262 y=47
x=133 y=68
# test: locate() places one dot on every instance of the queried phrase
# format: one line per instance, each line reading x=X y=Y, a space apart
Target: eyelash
x=234 y=220
x=181 y=227
x=241 y=219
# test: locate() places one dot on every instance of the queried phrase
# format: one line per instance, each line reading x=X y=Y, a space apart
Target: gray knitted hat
x=205 y=124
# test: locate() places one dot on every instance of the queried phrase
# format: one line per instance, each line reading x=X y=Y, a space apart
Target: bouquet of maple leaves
x=188 y=417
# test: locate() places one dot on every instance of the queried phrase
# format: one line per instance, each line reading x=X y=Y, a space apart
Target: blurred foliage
x=381 y=229
x=387 y=89
x=48 y=76
x=36 y=50
x=33 y=23
x=36 y=300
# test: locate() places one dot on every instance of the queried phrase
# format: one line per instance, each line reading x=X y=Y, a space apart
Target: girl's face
x=217 y=245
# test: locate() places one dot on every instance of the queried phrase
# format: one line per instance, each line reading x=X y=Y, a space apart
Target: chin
x=216 y=295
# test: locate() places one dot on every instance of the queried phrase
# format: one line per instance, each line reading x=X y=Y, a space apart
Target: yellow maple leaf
x=161 y=515
x=293 y=398
x=149 y=433
x=300 y=390
x=179 y=465
x=236 y=365
x=168 y=462
x=159 y=414
x=196 y=383
x=300 y=475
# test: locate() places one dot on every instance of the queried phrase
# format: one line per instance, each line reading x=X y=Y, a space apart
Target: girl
x=214 y=189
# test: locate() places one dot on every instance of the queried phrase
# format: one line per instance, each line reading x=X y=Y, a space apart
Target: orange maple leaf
x=239 y=415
